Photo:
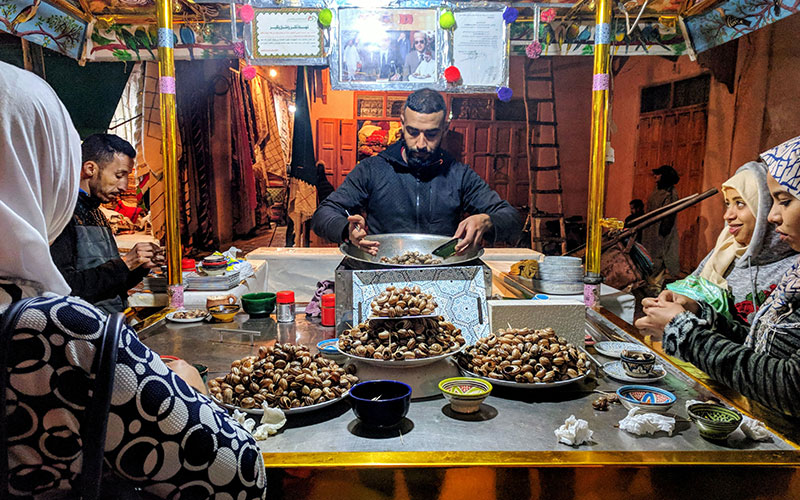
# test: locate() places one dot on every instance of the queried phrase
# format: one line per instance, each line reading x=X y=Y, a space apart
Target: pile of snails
x=525 y=356
x=403 y=339
x=412 y=258
x=406 y=301
x=285 y=376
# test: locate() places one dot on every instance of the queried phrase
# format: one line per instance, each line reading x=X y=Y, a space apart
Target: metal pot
x=398 y=243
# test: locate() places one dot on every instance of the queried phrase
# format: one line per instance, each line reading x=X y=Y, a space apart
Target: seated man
x=415 y=187
x=86 y=252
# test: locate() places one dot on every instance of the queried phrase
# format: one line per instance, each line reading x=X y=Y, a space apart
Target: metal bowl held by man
x=408 y=250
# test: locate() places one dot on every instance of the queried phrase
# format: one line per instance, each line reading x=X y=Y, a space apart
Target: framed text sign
x=287 y=33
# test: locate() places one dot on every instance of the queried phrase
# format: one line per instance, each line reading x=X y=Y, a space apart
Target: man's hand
x=188 y=374
x=471 y=231
x=358 y=233
x=147 y=255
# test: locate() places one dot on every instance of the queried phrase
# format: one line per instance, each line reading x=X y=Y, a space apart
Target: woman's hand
x=660 y=311
x=188 y=374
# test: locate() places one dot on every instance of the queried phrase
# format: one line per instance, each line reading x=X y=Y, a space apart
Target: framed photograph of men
x=386 y=49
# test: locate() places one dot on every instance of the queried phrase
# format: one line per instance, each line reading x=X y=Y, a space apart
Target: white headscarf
x=40 y=161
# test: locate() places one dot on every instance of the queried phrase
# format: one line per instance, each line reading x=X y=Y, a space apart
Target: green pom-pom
x=447 y=20
x=325 y=17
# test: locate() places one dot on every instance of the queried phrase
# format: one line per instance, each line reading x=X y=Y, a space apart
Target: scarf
x=727 y=249
x=783 y=163
x=40 y=160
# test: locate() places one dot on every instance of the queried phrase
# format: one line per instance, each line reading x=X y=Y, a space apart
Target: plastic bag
x=700 y=289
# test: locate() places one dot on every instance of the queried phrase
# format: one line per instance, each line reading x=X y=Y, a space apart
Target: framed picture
x=386 y=49
x=45 y=25
x=287 y=33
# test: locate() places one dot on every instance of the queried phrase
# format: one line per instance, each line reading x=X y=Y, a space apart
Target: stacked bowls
x=559 y=276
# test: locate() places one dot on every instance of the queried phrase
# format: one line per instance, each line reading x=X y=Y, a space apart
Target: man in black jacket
x=415 y=187
x=86 y=252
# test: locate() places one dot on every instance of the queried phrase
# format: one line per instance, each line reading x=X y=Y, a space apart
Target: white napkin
x=574 y=432
x=646 y=423
x=272 y=420
x=754 y=429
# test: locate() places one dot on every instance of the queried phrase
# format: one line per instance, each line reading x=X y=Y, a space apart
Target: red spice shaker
x=328 y=306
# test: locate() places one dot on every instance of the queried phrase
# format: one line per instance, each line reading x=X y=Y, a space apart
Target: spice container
x=286 y=308
x=328 y=306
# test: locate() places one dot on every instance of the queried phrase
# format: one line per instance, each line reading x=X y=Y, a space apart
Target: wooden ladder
x=544 y=164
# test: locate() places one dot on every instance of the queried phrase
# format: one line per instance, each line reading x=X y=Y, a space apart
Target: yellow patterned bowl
x=465 y=393
x=224 y=313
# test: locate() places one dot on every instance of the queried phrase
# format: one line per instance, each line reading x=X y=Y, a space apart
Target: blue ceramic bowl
x=645 y=398
x=329 y=350
x=381 y=403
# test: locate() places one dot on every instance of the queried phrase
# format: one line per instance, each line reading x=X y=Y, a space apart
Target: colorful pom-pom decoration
x=325 y=17
x=246 y=13
x=249 y=72
x=447 y=20
x=510 y=15
x=504 y=94
x=452 y=74
x=548 y=15
x=534 y=49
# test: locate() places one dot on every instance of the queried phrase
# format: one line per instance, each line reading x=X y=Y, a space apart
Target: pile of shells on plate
x=525 y=356
x=285 y=376
x=406 y=301
x=403 y=339
x=412 y=258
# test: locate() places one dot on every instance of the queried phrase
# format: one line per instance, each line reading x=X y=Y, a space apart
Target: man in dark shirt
x=637 y=210
x=415 y=187
x=86 y=252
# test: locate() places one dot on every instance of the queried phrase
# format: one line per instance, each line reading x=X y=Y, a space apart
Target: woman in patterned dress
x=163 y=436
x=762 y=361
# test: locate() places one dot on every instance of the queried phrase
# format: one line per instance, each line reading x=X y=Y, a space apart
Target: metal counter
x=513 y=428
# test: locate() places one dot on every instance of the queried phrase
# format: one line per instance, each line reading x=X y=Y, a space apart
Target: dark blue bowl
x=386 y=411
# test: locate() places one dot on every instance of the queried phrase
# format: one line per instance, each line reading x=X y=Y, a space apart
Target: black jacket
x=399 y=199
x=87 y=255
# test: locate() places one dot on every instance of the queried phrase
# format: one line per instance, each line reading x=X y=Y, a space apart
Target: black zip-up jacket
x=400 y=199
x=87 y=255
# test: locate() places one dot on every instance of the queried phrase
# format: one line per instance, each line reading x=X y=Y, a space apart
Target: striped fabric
x=716 y=346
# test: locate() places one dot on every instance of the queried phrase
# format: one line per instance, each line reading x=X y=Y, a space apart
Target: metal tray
x=405 y=363
x=288 y=412
x=525 y=386
x=399 y=243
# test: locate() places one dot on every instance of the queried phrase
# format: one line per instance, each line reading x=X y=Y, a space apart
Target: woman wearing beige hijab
x=749 y=258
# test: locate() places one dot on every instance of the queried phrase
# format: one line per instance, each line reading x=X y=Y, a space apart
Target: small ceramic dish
x=613 y=349
x=328 y=349
x=614 y=370
x=213 y=271
x=465 y=393
x=646 y=398
x=224 y=313
x=714 y=422
x=638 y=363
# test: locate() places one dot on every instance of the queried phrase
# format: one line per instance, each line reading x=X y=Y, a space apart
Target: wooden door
x=675 y=137
x=348 y=144
x=327 y=147
x=500 y=172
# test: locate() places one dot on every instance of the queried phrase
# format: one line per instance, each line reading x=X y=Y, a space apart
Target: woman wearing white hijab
x=163 y=436
x=762 y=362
x=749 y=258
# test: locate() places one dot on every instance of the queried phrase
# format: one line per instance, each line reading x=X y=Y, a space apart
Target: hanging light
x=292 y=108
x=273 y=72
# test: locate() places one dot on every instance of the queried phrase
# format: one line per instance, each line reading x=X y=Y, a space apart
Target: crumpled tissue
x=754 y=429
x=574 y=432
x=272 y=420
x=646 y=423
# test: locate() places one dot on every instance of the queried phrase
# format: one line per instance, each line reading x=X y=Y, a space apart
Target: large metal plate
x=401 y=363
x=399 y=243
x=524 y=386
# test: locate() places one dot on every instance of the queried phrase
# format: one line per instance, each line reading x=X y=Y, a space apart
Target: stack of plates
x=559 y=275
x=194 y=282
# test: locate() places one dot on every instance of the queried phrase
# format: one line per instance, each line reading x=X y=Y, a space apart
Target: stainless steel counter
x=512 y=428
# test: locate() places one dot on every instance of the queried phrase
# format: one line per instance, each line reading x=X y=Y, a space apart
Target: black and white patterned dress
x=162 y=436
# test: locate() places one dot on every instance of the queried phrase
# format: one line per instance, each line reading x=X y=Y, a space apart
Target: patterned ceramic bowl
x=646 y=398
x=224 y=313
x=638 y=364
x=465 y=393
x=714 y=421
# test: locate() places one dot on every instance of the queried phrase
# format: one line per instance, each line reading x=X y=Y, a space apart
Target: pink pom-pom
x=249 y=72
x=548 y=15
x=246 y=13
x=534 y=49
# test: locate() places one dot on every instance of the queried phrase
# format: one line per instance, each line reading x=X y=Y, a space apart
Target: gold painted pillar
x=601 y=84
x=166 y=89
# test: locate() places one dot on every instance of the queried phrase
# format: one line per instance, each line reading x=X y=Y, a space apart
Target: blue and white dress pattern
x=162 y=436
